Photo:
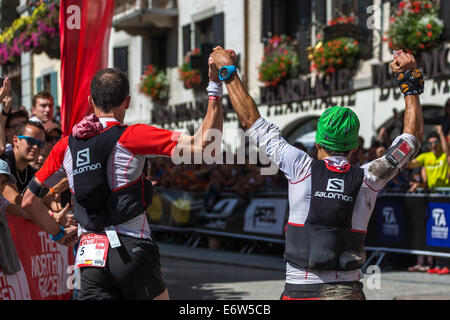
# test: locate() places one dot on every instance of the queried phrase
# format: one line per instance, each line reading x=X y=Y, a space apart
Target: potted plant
x=154 y=83
x=191 y=77
x=415 y=26
x=338 y=51
x=334 y=55
x=280 y=61
x=35 y=33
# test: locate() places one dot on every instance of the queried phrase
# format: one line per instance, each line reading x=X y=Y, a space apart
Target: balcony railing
x=123 y=6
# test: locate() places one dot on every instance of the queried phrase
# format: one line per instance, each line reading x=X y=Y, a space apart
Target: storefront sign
x=434 y=65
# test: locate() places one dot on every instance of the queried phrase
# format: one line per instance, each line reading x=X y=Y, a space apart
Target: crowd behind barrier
x=224 y=200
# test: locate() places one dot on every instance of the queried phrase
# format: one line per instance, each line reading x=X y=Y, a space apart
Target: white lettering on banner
x=6 y=291
x=390 y=225
x=48 y=267
x=265 y=216
x=216 y=224
x=15 y=286
x=439 y=230
x=74 y=20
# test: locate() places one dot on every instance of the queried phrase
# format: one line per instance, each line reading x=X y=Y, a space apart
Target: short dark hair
x=109 y=89
x=15 y=115
x=20 y=129
x=42 y=95
x=337 y=153
x=433 y=135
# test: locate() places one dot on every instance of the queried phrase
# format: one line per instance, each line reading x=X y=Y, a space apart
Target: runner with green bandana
x=330 y=201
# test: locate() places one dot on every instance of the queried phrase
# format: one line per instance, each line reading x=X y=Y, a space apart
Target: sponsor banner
x=390 y=221
x=45 y=263
x=15 y=286
x=266 y=216
x=437 y=224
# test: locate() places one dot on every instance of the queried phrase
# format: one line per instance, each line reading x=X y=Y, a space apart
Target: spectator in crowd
x=57 y=117
x=443 y=121
x=9 y=261
x=13 y=120
x=436 y=167
x=435 y=161
x=359 y=156
x=42 y=108
x=28 y=141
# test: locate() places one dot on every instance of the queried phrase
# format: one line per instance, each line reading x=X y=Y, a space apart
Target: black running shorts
x=132 y=272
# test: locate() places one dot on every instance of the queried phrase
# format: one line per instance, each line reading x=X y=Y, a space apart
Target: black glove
x=410 y=82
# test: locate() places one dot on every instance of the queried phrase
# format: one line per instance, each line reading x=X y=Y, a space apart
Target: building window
x=121 y=59
x=344 y=8
x=158 y=51
x=210 y=31
x=285 y=17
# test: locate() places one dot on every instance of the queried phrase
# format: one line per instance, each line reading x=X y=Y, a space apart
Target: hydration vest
x=96 y=205
x=326 y=240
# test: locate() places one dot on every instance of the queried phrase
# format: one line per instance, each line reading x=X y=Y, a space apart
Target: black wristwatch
x=6 y=114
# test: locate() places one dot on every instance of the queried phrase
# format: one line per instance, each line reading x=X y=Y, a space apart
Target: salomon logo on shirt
x=335 y=185
x=335 y=189
x=83 y=162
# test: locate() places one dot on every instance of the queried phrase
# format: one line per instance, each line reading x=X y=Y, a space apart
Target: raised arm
x=5 y=98
x=242 y=102
x=213 y=118
x=411 y=81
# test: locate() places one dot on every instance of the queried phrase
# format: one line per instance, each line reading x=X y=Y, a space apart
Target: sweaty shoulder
x=149 y=140
x=378 y=172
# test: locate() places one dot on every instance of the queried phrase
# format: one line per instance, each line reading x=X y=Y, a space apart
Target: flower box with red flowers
x=415 y=26
x=154 y=83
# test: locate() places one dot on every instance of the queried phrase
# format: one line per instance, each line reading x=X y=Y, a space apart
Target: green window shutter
x=38 y=84
x=54 y=86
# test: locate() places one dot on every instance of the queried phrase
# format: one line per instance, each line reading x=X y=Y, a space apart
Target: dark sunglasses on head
x=32 y=141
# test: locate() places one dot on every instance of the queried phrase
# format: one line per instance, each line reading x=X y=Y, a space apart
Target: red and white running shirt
x=125 y=164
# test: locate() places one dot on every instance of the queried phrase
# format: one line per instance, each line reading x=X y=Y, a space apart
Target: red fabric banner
x=46 y=272
x=85 y=27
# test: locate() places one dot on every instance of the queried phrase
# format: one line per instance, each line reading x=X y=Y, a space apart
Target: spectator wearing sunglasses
x=28 y=141
x=12 y=122
x=435 y=160
x=436 y=167
x=53 y=134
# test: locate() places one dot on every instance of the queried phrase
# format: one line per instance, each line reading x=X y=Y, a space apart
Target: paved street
x=194 y=274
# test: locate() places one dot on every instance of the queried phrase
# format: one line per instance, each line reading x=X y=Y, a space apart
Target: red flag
x=85 y=27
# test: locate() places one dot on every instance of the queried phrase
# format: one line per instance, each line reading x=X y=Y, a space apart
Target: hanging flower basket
x=36 y=33
x=191 y=77
x=415 y=27
x=280 y=61
x=155 y=84
x=335 y=50
x=334 y=55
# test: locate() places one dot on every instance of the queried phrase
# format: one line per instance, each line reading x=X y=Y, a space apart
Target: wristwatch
x=60 y=234
x=226 y=72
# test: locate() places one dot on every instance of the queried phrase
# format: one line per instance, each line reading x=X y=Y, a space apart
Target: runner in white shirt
x=330 y=201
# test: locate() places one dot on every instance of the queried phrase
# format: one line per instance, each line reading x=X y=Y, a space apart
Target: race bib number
x=92 y=251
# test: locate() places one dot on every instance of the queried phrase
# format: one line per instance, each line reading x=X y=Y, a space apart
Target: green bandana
x=338 y=129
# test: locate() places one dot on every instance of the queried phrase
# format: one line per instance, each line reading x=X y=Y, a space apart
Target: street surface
x=196 y=275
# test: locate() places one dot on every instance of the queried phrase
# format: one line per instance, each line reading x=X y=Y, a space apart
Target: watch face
x=224 y=72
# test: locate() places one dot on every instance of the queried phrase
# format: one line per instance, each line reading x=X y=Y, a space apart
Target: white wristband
x=215 y=89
